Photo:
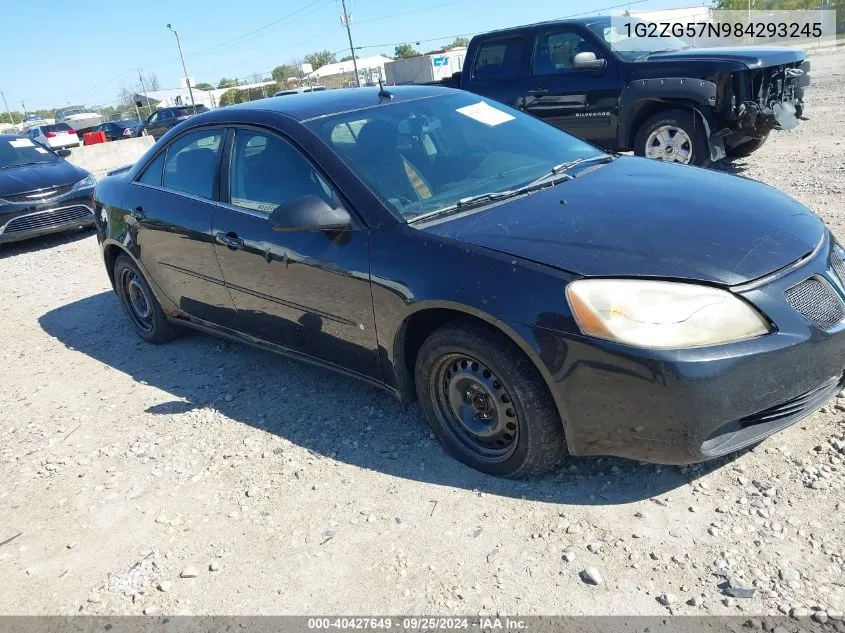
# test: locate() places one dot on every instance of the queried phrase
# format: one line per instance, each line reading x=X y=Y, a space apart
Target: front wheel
x=673 y=136
x=487 y=403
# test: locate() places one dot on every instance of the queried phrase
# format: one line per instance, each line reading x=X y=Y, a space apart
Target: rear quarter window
x=499 y=59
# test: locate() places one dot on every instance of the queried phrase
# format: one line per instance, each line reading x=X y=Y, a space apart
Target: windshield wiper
x=549 y=180
x=565 y=167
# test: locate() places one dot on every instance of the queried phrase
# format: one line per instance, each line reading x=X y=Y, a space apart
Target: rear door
x=501 y=67
x=581 y=101
x=307 y=291
x=171 y=205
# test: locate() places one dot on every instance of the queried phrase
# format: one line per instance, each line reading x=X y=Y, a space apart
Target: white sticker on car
x=483 y=112
x=21 y=142
x=41 y=150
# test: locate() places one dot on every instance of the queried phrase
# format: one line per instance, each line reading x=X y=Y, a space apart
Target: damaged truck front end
x=760 y=100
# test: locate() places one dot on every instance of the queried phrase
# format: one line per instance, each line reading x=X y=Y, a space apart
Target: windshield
x=23 y=151
x=633 y=42
x=429 y=154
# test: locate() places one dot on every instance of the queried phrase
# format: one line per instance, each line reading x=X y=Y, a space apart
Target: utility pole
x=185 y=70
x=23 y=107
x=345 y=19
x=11 y=120
x=144 y=90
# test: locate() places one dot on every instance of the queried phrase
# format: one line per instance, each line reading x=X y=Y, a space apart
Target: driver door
x=583 y=102
x=308 y=291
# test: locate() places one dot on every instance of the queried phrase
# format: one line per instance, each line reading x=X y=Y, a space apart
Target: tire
x=139 y=303
x=665 y=134
x=467 y=371
x=745 y=149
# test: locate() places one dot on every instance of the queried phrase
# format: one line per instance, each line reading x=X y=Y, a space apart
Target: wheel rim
x=137 y=300
x=474 y=407
x=669 y=143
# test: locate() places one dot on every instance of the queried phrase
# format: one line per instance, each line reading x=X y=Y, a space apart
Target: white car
x=55 y=136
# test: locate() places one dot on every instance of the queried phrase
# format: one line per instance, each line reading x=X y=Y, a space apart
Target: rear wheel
x=673 y=136
x=745 y=149
x=487 y=403
x=139 y=303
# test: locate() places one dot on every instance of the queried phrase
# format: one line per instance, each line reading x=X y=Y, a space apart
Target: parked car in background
x=40 y=192
x=55 y=136
x=163 y=119
x=659 y=97
x=536 y=294
x=79 y=118
x=297 y=91
x=117 y=130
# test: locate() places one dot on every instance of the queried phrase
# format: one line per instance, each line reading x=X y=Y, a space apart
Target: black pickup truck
x=660 y=98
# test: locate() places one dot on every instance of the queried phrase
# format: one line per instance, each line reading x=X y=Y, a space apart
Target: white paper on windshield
x=41 y=150
x=484 y=113
x=21 y=142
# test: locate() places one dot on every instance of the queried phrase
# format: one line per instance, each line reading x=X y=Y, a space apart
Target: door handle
x=230 y=240
x=539 y=92
x=138 y=213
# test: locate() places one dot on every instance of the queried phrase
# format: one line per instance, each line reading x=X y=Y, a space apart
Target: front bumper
x=685 y=406
x=27 y=220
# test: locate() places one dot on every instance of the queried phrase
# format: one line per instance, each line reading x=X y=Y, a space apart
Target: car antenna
x=382 y=93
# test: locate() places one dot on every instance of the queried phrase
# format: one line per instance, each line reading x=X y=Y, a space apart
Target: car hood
x=751 y=56
x=636 y=217
x=28 y=178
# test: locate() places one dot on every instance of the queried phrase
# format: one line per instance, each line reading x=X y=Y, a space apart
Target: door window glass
x=553 y=52
x=152 y=174
x=191 y=163
x=267 y=172
x=498 y=60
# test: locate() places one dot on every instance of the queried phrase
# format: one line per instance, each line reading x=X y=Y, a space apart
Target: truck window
x=553 y=52
x=499 y=60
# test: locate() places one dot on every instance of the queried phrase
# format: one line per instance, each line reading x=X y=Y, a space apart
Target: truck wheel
x=487 y=403
x=745 y=149
x=673 y=136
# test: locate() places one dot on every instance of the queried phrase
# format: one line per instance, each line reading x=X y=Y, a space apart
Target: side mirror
x=587 y=61
x=309 y=213
x=64 y=153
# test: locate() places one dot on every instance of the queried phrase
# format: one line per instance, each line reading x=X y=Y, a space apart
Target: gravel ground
x=204 y=477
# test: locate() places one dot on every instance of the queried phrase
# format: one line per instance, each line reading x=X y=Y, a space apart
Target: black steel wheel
x=486 y=401
x=139 y=303
x=473 y=404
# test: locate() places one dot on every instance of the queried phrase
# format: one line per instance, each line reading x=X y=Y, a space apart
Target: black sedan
x=118 y=130
x=537 y=295
x=40 y=192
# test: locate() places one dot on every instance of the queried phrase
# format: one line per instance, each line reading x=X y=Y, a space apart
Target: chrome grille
x=38 y=195
x=47 y=219
x=817 y=301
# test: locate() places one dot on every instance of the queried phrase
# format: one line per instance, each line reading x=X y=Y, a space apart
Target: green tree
x=229 y=97
x=403 y=51
x=320 y=58
x=460 y=42
x=204 y=86
x=280 y=74
x=346 y=58
x=227 y=83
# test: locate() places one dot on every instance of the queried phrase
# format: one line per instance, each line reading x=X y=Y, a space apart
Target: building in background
x=342 y=74
x=425 y=69
x=209 y=98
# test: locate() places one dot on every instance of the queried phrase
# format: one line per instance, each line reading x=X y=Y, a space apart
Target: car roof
x=312 y=105
x=583 y=21
x=10 y=137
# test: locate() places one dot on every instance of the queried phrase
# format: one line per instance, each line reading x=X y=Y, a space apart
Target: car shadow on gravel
x=44 y=242
x=329 y=414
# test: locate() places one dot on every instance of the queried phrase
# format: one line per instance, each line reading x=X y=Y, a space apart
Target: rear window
x=57 y=127
x=499 y=59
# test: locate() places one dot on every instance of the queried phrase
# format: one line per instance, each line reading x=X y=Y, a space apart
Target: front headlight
x=661 y=314
x=89 y=181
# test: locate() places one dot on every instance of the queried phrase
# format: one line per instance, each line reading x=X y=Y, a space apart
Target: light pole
x=185 y=70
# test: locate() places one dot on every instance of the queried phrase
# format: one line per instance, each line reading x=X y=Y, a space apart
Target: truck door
x=583 y=101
